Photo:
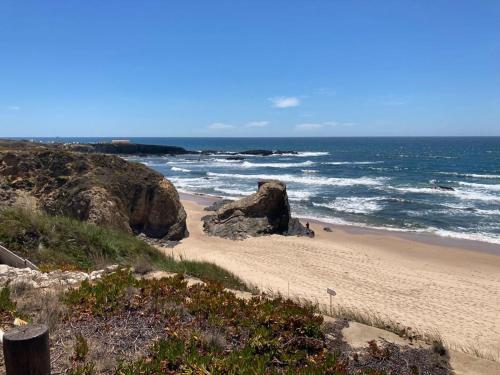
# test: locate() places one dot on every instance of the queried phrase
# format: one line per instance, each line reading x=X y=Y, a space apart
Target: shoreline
x=354 y=229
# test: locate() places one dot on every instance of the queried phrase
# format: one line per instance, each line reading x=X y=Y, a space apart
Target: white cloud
x=257 y=124
x=285 y=102
x=309 y=126
x=322 y=125
x=220 y=126
x=336 y=124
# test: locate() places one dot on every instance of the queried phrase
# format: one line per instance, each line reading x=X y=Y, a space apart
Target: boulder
x=102 y=189
x=265 y=212
x=442 y=187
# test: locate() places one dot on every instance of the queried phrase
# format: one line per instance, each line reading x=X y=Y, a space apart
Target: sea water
x=374 y=182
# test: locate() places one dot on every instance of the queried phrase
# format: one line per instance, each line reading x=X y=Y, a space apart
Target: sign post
x=332 y=293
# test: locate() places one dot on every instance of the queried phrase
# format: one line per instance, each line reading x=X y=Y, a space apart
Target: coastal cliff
x=101 y=189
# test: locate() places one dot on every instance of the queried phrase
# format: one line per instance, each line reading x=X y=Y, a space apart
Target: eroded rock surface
x=101 y=189
x=26 y=277
x=265 y=212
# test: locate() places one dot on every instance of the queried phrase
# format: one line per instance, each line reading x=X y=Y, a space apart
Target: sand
x=419 y=284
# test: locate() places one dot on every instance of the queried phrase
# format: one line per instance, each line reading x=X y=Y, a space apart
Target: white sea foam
x=248 y=164
x=183 y=161
x=351 y=162
x=488 y=212
x=228 y=161
x=310 y=180
x=309 y=171
x=472 y=175
x=177 y=169
x=478 y=236
x=458 y=193
x=356 y=205
x=299 y=195
x=312 y=153
x=491 y=187
x=232 y=192
x=152 y=164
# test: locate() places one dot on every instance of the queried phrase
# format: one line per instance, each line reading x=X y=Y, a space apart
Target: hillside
x=102 y=189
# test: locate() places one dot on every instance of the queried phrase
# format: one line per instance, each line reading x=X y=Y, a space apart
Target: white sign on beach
x=331 y=292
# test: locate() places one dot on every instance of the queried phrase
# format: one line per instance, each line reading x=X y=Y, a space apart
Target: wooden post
x=332 y=293
x=26 y=350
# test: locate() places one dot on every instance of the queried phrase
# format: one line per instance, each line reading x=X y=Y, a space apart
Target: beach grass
x=56 y=242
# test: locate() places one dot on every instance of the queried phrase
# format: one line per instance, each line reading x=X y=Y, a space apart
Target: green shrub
x=210 y=330
x=54 y=242
x=81 y=348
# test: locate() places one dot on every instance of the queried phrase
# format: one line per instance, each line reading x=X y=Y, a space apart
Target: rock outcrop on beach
x=265 y=212
x=101 y=189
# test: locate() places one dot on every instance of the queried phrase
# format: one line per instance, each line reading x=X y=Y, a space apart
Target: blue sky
x=249 y=68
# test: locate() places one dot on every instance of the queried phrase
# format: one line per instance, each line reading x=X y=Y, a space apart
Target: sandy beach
x=429 y=286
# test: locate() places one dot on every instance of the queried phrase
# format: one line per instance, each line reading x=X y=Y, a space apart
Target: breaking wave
x=351 y=162
x=312 y=180
x=491 y=187
x=458 y=193
x=248 y=164
x=177 y=169
x=355 y=205
x=471 y=175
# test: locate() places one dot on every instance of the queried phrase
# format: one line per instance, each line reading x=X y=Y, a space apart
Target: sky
x=249 y=68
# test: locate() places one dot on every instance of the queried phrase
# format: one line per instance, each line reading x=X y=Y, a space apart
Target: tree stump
x=26 y=350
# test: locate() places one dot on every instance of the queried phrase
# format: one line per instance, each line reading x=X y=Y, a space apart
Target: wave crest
x=309 y=180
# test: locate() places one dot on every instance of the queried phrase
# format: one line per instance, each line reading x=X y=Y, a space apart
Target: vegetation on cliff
x=61 y=242
x=102 y=189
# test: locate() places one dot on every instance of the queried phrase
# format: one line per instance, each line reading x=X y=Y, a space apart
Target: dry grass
x=475 y=351
x=44 y=306
x=373 y=319
x=58 y=242
x=433 y=338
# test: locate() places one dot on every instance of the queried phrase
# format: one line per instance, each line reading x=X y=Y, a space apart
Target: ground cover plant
x=167 y=327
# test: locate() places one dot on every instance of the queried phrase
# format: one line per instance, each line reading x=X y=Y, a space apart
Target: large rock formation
x=265 y=212
x=128 y=149
x=101 y=189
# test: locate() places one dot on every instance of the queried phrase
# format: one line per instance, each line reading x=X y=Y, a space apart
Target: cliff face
x=102 y=189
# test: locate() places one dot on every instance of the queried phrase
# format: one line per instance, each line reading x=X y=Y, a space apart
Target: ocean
x=384 y=183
